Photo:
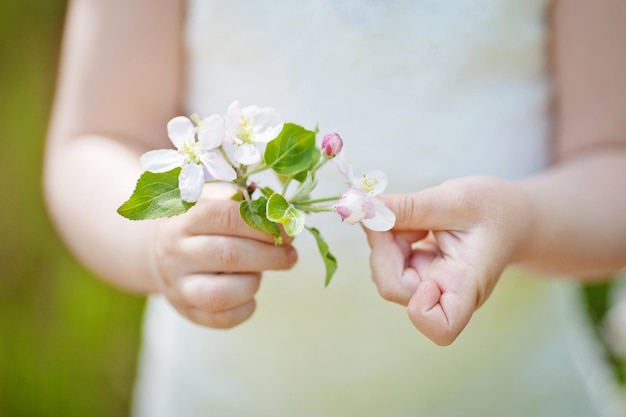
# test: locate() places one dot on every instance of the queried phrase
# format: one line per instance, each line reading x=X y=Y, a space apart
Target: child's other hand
x=447 y=250
x=209 y=263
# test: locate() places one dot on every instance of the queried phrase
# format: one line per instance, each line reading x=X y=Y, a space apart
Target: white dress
x=425 y=90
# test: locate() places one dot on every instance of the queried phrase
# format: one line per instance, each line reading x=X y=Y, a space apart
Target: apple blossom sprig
x=234 y=149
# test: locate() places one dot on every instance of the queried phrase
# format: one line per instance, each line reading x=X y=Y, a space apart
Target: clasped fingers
x=438 y=315
x=218 y=301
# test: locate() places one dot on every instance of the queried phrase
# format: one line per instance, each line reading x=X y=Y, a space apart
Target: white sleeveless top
x=425 y=90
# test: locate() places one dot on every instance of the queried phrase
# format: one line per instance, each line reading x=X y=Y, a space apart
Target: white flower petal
x=161 y=160
x=191 y=182
x=268 y=135
x=267 y=124
x=383 y=220
x=212 y=132
x=233 y=119
x=218 y=167
x=249 y=111
x=344 y=167
x=180 y=129
x=247 y=154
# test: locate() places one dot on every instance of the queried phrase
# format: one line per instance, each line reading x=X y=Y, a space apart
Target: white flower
x=359 y=203
x=250 y=125
x=192 y=155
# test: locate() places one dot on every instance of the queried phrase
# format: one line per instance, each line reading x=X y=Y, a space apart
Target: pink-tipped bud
x=331 y=145
x=354 y=206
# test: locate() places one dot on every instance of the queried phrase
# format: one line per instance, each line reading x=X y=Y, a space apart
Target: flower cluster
x=236 y=147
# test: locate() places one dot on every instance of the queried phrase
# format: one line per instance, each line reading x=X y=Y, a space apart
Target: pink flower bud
x=355 y=206
x=331 y=145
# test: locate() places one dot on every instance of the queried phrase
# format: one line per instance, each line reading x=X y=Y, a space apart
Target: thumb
x=436 y=208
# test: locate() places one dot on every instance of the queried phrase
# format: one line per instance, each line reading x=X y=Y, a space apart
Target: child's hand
x=209 y=263
x=448 y=249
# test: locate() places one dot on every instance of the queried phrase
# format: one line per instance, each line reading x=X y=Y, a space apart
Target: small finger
x=393 y=280
x=215 y=293
x=223 y=319
x=439 y=316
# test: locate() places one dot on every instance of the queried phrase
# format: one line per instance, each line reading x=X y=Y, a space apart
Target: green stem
x=318 y=200
x=317 y=209
x=286 y=185
x=246 y=195
x=320 y=164
x=225 y=155
x=258 y=169
x=312 y=172
x=196 y=119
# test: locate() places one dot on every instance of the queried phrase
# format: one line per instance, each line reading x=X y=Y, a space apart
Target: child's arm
x=570 y=219
x=121 y=80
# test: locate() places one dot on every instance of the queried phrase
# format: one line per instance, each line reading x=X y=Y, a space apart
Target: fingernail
x=292 y=255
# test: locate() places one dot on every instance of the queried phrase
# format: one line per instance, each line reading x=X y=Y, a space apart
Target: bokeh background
x=68 y=342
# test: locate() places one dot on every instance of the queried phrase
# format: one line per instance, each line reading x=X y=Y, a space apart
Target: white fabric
x=425 y=90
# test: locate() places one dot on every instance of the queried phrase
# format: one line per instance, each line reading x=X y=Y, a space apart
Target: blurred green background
x=68 y=342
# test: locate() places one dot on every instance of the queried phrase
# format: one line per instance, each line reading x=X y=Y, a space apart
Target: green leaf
x=155 y=196
x=317 y=155
x=279 y=210
x=292 y=151
x=254 y=214
x=305 y=188
x=330 y=262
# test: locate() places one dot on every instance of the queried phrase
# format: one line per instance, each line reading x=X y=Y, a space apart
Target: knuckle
x=228 y=216
x=226 y=256
x=407 y=207
x=214 y=300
